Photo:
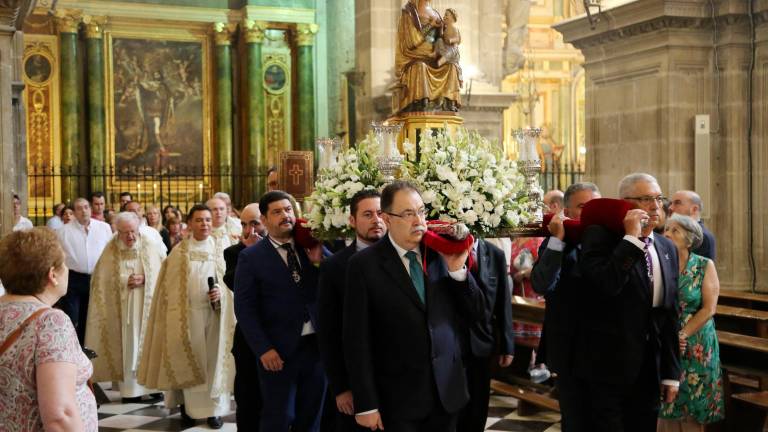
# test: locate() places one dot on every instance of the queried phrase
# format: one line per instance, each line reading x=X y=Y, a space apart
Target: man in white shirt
x=55 y=222
x=19 y=221
x=83 y=240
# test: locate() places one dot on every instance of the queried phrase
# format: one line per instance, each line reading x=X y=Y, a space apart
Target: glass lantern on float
x=390 y=159
x=328 y=151
x=529 y=165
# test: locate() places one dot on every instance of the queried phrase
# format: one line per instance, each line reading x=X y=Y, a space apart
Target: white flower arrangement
x=355 y=169
x=466 y=179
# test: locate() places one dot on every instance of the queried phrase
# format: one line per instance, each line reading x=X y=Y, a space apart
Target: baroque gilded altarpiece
x=41 y=100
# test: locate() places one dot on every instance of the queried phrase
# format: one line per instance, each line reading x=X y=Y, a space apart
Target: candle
x=200 y=189
x=138 y=188
x=154 y=193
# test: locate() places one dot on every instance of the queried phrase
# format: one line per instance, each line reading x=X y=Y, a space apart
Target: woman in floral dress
x=43 y=371
x=700 y=400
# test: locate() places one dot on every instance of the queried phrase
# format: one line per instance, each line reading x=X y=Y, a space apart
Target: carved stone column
x=256 y=149
x=650 y=68
x=97 y=137
x=224 y=118
x=67 y=23
x=305 y=38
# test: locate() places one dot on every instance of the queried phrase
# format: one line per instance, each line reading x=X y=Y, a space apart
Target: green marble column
x=256 y=149
x=96 y=114
x=70 y=109
x=224 y=125
x=305 y=37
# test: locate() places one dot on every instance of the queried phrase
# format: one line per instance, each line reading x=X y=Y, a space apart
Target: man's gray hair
x=628 y=183
x=222 y=196
x=690 y=228
x=79 y=201
x=127 y=216
x=695 y=199
x=578 y=187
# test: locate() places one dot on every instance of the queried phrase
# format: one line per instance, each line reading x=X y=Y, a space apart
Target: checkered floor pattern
x=153 y=416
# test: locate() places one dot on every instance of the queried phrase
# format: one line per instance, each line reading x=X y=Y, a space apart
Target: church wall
x=650 y=69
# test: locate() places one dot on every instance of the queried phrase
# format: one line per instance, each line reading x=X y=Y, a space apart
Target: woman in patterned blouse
x=43 y=371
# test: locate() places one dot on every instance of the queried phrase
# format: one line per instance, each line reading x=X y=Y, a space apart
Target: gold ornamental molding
x=254 y=30
x=305 y=34
x=222 y=33
x=68 y=20
x=94 y=26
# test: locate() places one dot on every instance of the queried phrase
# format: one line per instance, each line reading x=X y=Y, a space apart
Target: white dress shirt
x=23 y=224
x=658 y=285
x=54 y=223
x=459 y=275
x=82 y=248
x=307 y=329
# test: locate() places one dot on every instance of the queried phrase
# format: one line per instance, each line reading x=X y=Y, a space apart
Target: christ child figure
x=447 y=47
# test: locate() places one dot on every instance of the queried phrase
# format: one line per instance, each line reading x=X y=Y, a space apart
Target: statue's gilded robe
x=168 y=361
x=105 y=312
x=415 y=65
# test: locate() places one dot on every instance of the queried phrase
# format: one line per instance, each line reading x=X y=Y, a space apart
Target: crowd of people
x=383 y=333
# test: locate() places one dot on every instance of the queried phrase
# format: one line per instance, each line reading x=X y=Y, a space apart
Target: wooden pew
x=744 y=299
x=528 y=397
x=742 y=320
x=749 y=411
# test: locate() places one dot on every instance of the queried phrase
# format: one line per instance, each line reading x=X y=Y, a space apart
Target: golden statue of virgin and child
x=427 y=60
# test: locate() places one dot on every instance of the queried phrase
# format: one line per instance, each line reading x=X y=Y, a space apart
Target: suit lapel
x=483 y=255
x=393 y=266
x=665 y=262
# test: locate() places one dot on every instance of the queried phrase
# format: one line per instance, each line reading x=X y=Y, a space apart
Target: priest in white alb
x=187 y=346
x=122 y=284
x=221 y=231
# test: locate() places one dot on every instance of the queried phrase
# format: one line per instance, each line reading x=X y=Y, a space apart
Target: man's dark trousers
x=75 y=302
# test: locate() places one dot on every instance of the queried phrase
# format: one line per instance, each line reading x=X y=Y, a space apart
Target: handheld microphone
x=214 y=283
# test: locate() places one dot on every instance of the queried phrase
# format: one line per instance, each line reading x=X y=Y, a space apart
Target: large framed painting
x=158 y=103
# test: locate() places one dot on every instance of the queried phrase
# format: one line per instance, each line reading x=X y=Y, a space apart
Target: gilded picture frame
x=159 y=106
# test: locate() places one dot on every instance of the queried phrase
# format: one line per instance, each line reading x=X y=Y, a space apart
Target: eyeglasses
x=645 y=200
x=410 y=214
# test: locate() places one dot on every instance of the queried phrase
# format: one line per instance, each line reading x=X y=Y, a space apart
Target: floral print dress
x=701 y=384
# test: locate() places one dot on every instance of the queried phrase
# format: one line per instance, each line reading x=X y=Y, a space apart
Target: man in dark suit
x=402 y=327
x=556 y=276
x=488 y=336
x=276 y=307
x=247 y=391
x=688 y=203
x=629 y=353
x=365 y=218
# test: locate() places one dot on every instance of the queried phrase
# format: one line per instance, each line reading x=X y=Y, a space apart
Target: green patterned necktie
x=417 y=274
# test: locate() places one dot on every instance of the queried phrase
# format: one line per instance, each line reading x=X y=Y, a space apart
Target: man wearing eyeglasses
x=688 y=203
x=629 y=359
x=247 y=392
x=405 y=308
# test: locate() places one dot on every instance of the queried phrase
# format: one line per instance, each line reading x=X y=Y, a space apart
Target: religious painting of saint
x=37 y=68
x=158 y=105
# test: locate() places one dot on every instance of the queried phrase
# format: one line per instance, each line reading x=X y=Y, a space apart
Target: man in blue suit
x=275 y=305
x=404 y=313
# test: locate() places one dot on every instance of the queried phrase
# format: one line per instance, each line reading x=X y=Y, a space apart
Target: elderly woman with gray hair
x=700 y=400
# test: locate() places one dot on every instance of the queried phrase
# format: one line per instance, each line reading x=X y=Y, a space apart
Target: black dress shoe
x=136 y=399
x=186 y=420
x=215 y=422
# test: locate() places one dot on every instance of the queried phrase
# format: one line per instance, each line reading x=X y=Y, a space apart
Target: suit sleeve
x=468 y=294
x=330 y=312
x=247 y=288
x=606 y=263
x=546 y=270
x=503 y=307
x=357 y=341
x=230 y=258
x=670 y=368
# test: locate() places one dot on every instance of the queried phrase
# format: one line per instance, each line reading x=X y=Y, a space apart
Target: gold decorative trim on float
x=415 y=124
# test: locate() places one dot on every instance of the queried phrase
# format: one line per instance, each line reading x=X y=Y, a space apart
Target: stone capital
x=94 y=26
x=68 y=21
x=254 y=31
x=305 y=34
x=222 y=33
